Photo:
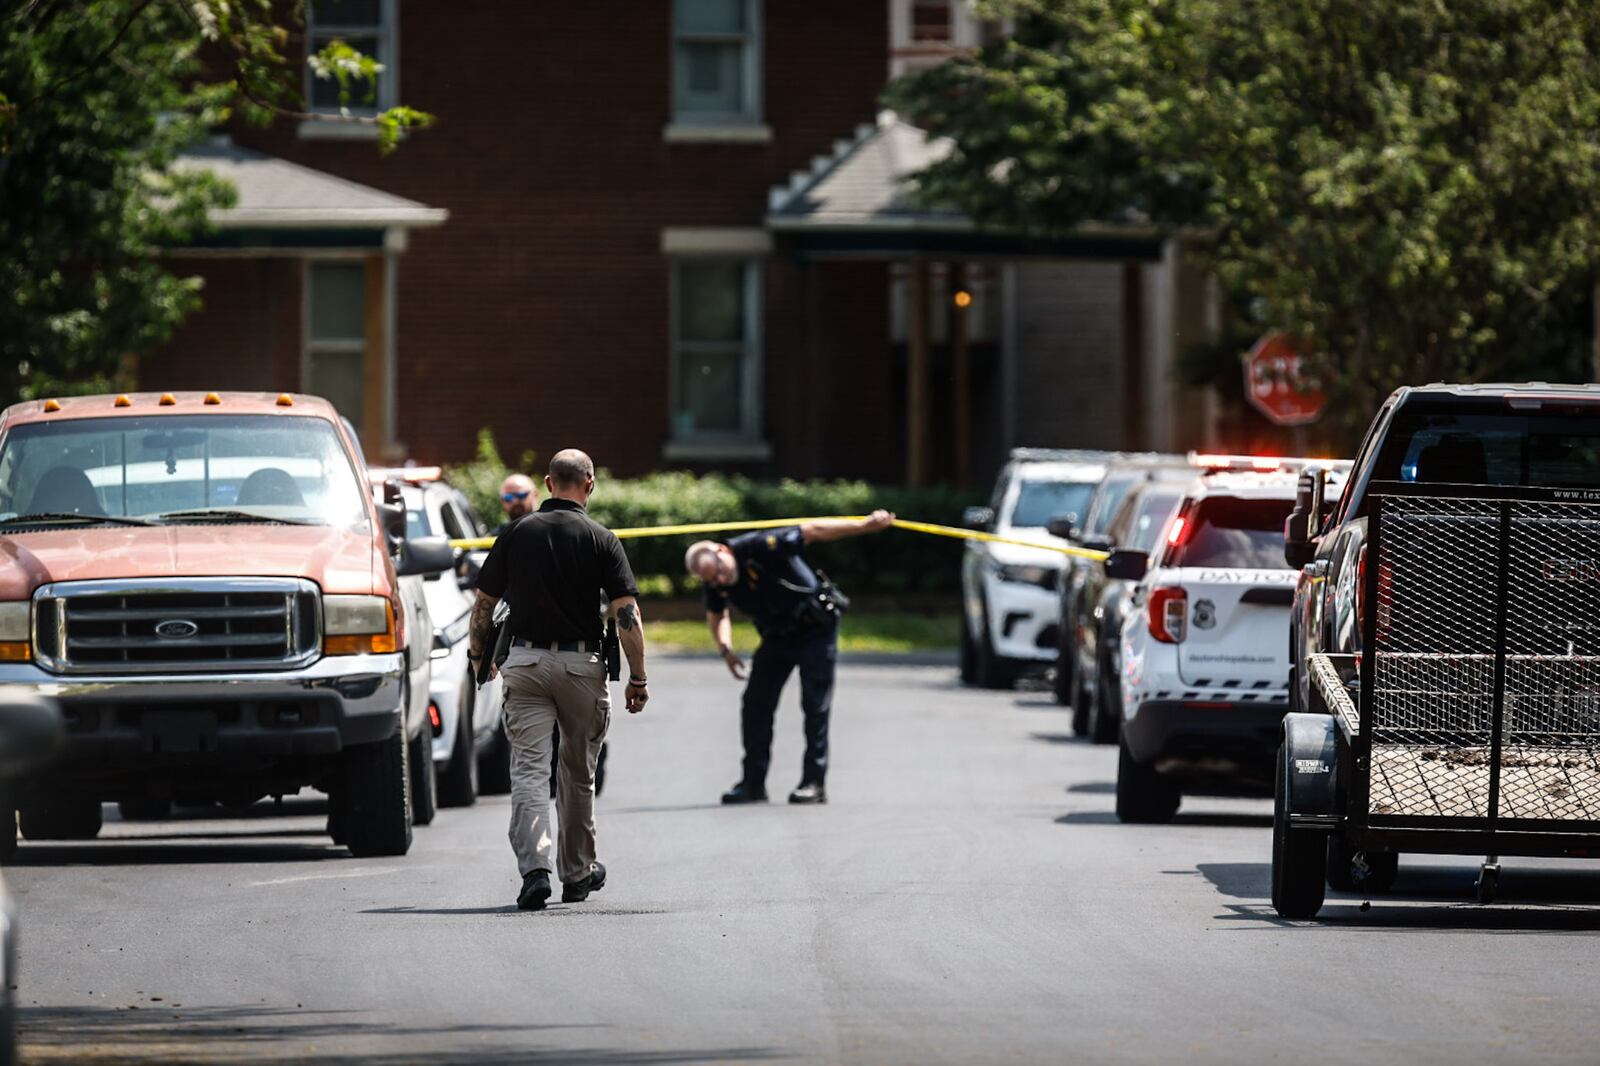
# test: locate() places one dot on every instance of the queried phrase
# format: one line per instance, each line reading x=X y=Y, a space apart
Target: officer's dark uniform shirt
x=549 y=565
x=773 y=579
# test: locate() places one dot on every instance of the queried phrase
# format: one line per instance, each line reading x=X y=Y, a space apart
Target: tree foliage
x=97 y=98
x=1413 y=187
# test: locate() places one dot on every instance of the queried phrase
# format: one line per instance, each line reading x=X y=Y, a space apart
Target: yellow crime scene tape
x=775 y=523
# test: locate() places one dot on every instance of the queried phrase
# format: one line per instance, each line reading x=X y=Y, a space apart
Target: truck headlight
x=1042 y=576
x=15 y=618
x=352 y=625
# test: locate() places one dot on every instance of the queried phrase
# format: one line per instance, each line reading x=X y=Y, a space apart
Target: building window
x=368 y=26
x=336 y=336
x=930 y=21
x=716 y=358
x=716 y=61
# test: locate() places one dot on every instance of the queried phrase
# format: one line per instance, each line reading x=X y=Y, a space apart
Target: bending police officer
x=551 y=566
x=765 y=575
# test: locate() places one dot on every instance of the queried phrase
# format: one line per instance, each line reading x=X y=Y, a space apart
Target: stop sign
x=1274 y=385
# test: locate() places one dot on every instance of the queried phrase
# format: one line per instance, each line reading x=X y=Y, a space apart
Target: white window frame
x=388 y=35
x=748 y=442
x=742 y=126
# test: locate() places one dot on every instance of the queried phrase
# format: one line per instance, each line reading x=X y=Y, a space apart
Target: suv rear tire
x=494 y=765
x=60 y=817
x=1144 y=797
x=424 y=779
x=374 y=798
x=458 y=784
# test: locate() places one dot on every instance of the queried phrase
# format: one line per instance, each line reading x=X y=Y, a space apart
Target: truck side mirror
x=978 y=518
x=1098 y=542
x=1064 y=526
x=1125 y=564
x=430 y=556
x=1300 y=528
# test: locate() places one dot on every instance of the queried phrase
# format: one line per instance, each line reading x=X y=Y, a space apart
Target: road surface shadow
x=1059 y=738
x=117 y=1036
x=666 y=809
x=553 y=910
x=1103 y=788
x=1212 y=819
x=146 y=851
x=1431 y=897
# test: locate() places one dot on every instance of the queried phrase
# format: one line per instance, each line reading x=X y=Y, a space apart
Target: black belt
x=557 y=645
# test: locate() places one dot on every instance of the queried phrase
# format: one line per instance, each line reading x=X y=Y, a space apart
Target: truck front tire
x=60 y=817
x=424 y=780
x=374 y=798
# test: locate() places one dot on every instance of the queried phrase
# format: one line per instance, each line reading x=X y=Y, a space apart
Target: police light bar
x=1263 y=464
x=412 y=475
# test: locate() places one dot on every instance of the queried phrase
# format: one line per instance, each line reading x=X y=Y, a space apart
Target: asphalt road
x=967 y=897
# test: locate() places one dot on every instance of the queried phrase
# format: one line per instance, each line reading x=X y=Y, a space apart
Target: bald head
x=711 y=562
x=518 y=495
x=571 y=475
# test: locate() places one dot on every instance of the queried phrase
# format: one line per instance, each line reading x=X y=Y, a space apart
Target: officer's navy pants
x=814 y=655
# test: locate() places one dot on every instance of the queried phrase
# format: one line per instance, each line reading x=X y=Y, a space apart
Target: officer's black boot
x=809 y=793
x=744 y=793
x=535 y=891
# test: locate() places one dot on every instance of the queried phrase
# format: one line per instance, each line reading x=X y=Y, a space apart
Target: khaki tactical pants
x=543 y=688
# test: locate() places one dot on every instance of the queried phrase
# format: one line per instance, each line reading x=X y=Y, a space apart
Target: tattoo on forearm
x=482 y=624
x=628 y=617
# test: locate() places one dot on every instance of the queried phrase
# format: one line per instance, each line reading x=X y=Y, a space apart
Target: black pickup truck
x=1445 y=643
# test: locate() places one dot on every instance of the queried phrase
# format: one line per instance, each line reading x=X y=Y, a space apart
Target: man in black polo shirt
x=765 y=575
x=552 y=566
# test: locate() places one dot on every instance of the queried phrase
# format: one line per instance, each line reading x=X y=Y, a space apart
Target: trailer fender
x=1310 y=777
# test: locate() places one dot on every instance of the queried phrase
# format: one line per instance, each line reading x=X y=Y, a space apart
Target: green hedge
x=887 y=563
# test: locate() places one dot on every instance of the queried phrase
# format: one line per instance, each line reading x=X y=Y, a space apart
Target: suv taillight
x=1385 y=594
x=1169 y=613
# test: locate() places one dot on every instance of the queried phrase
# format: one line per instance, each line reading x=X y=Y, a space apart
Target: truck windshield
x=1225 y=531
x=1039 y=501
x=1558 y=449
x=195 y=468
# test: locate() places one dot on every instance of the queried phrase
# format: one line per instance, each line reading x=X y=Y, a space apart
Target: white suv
x=470 y=750
x=1204 y=656
x=1009 y=591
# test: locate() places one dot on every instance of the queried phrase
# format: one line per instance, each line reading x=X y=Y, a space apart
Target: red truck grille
x=203 y=624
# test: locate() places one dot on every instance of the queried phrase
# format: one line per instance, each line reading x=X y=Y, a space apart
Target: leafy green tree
x=97 y=98
x=1412 y=187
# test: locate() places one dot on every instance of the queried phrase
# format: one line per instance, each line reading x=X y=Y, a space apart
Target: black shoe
x=579 y=891
x=535 y=890
x=743 y=793
x=813 y=793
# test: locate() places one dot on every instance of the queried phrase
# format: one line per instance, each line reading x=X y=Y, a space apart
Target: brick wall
x=540 y=308
x=246 y=335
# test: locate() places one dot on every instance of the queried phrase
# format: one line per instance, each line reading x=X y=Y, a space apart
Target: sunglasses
x=509 y=496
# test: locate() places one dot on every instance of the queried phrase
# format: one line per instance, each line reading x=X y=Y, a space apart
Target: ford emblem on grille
x=176 y=629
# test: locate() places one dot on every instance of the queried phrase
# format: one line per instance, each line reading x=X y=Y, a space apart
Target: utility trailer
x=1467 y=719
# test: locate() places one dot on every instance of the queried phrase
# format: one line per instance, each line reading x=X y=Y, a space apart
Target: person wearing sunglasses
x=518 y=497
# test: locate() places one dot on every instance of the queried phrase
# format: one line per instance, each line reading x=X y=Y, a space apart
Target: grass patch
x=859 y=633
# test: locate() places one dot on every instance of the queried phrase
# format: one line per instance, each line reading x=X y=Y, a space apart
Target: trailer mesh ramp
x=1439 y=645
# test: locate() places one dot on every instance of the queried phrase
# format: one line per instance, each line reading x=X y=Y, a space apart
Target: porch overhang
x=857 y=203
x=284 y=208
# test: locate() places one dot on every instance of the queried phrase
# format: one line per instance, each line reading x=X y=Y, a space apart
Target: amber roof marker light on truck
x=285 y=400
x=212 y=399
x=122 y=400
x=167 y=399
x=52 y=406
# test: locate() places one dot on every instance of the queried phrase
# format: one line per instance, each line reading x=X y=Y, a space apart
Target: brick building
x=618 y=235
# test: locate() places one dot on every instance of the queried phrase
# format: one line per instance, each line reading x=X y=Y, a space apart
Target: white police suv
x=1205 y=667
x=1009 y=592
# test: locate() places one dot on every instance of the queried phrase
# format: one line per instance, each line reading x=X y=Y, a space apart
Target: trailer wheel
x=1299 y=859
x=1144 y=797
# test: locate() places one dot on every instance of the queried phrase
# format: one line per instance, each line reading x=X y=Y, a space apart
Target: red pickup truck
x=208 y=587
